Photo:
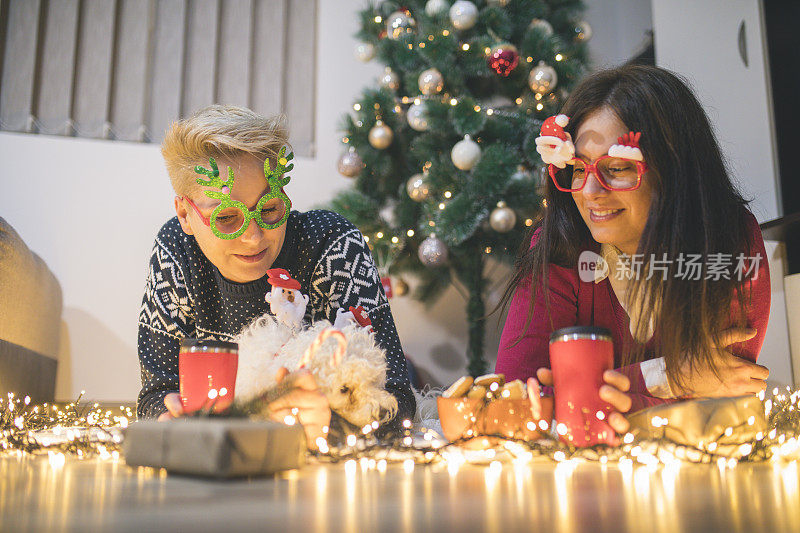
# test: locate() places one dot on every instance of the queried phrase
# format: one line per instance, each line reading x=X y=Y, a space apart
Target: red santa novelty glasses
x=613 y=173
x=620 y=170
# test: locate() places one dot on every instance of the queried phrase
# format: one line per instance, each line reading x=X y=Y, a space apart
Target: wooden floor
x=36 y=495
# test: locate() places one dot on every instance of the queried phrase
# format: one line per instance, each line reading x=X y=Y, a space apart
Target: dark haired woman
x=686 y=291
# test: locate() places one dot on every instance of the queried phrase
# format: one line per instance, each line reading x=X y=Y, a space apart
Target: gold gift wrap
x=215 y=447
x=698 y=423
x=472 y=417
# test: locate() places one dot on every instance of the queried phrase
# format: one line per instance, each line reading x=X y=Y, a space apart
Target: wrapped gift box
x=215 y=447
x=698 y=422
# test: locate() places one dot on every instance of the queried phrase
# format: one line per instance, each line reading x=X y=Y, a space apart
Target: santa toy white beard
x=355 y=388
x=289 y=312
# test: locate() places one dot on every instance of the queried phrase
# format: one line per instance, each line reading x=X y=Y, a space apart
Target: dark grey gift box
x=215 y=447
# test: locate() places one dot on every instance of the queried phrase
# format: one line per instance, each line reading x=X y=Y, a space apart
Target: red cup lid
x=580 y=332
x=187 y=343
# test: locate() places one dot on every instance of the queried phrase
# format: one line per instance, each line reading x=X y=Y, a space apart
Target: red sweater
x=575 y=302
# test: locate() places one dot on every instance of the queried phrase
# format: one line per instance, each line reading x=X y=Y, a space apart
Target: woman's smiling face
x=613 y=217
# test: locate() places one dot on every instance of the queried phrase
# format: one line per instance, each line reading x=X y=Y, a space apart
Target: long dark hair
x=695 y=209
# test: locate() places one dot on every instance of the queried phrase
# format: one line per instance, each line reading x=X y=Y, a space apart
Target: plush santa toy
x=285 y=300
x=355 y=315
x=553 y=143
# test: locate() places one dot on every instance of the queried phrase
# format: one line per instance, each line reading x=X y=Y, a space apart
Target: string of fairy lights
x=90 y=431
x=446 y=98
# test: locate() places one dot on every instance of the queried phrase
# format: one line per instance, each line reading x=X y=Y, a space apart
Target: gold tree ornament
x=503 y=218
x=381 y=136
x=417 y=188
x=400 y=23
x=433 y=252
x=430 y=82
x=583 y=31
x=400 y=287
x=436 y=7
x=365 y=52
x=463 y=15
x=389 y=79
x=417 y=116
x=543 y=26
x=543 y=78
x=350 y=164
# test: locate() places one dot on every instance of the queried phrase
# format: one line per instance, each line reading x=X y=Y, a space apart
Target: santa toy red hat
x=554 y=127
x=361 y=316
x=553 y=143
x=279 y=277
x=627 y=147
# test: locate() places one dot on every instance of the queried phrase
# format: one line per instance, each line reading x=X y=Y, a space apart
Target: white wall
x=776 y=353
x=619 y=29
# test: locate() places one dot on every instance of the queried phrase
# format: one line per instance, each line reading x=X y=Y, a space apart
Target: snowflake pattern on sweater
x=186 y=296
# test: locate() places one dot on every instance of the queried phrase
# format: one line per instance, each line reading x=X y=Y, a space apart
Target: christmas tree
x=442 y=149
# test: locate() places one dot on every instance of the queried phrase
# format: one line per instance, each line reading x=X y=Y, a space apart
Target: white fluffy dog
x=353 y=381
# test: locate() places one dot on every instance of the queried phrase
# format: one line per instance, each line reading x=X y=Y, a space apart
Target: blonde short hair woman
x=208 y=269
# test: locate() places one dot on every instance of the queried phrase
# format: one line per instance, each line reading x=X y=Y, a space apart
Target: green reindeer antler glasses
x=231 y=217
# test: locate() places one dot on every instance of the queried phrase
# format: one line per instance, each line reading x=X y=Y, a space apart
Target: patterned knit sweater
x=186 y=296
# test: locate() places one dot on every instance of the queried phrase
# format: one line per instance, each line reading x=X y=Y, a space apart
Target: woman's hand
x=305 y=402
x=312 y=409
x=735 y=376
x=612 y=392
x=174 y=407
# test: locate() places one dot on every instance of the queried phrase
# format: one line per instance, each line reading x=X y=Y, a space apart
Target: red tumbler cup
x=207 y=372
x=578 y=357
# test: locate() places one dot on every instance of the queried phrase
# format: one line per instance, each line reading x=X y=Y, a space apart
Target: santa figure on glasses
x=553 y=143
x=285 y=300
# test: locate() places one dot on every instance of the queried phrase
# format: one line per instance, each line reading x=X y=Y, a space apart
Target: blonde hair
x=219 y=131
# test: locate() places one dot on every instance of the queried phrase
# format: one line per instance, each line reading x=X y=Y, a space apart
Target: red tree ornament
x=386 y=281
x=503 y=59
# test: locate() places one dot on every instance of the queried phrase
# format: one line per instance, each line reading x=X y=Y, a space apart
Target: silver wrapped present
x=215 y=447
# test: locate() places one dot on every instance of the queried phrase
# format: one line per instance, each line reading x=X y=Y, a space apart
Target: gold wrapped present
x=723 y=426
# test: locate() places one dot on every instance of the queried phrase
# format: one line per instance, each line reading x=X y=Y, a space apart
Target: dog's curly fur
x=355 y=388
